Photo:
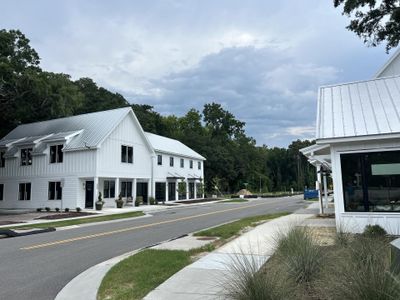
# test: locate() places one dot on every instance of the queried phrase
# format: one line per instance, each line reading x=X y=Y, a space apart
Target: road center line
x=106 y=233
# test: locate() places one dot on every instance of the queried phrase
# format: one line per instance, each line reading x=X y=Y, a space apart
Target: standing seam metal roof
x=359 y=108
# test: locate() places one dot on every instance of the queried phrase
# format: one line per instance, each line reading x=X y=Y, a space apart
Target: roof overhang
x=318 y=155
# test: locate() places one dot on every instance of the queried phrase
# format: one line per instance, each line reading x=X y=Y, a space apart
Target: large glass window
x=55 y=190
x=26 y=157
x=126 y=188
x=127 y=154
x=24 y=191
x=56 y=154
x=109 y=189
x=371 y=181
x=2 y=159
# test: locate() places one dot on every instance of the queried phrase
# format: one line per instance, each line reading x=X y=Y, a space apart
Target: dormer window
x=199 y=165
x=56 y=154
x=159 y=160
x=2 y=159
x=191 y=164
x=26 y=157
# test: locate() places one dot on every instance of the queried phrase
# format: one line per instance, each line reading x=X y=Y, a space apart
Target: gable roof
x=389 y=66
x=87 y=130
x=359 y=108
x=171 y=146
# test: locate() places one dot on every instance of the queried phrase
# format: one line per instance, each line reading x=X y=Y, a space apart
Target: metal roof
x=171 y=146
x=94 y=126
x=359 y=108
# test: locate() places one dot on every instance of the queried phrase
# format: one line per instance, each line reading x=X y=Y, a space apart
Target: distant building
x=66 y=162
x=358 y=139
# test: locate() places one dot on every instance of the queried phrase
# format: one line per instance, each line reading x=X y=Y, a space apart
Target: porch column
x=187 y=188
x=318 y=187
x=325 y=190
x=149 y=190
x=166 y=191
x=195 y=189
x=176 y=189
x=95 y=190
x=117 y=187
x=134 y=190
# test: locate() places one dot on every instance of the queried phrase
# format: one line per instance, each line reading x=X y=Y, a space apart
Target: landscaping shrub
x=39 y=209
x=47 y=209
x=78 y=209
x=66 y=209
x=138 y=200
x=374 y=231
x=361 y=271
x=299 y=253
x=152 y=201
x=57 y=209
x=246 y=282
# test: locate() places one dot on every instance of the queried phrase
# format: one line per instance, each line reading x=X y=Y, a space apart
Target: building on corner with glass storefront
x=358 y=139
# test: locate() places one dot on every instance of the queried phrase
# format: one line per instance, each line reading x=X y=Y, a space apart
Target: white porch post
x=318 y=184
x=325 y=190
x=166 y=191
x=176 y=189
x=195 y=189
x=149 y=190
x=187 y=188
x=116 y=187
x=95 y=190
x=134 y=191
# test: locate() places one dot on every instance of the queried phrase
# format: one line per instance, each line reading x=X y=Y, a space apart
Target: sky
x=262 y=60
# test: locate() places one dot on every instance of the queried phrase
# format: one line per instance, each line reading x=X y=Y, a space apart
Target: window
x=371 y=181
x=1 y=192
x=55 y=190
x=109 y=189
x=191 y=164
x=2 y=159
x=56 y=154
x=182 y=163
x=126 y=188
x=159 y=160
x=199 y=165
x=127 y=154
x=24 y=191
x=171 y=161
x=26 y=157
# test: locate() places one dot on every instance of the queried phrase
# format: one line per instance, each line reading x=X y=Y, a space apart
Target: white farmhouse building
x=66 y=162
x=358 y=138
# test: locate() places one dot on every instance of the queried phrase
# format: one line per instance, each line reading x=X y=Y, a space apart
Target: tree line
x=30 y=94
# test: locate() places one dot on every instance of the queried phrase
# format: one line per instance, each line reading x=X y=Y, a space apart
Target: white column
x=195 y=189
x=176 y=190
x=134 y=191
x=166 y=191
x=95 y=190
x=116 y=187
x=149 y=190
x=318 y=187
x=325 y=190
x=187 y=188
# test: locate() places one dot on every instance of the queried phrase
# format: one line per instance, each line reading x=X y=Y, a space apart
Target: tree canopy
x=373 y=21
x=29 y=94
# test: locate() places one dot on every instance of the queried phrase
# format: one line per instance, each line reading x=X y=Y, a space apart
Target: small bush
x=57 y=209
x=39 y=209
x=138 y=200
x=66 y=209
x=47 y=209
x=152 y=201
x=374 y=231
x=299 y=253
x=78 y=209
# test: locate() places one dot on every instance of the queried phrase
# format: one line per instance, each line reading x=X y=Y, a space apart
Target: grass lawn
x=239 y=200
x=80 y=221
x=231 y=229
x=313 y=199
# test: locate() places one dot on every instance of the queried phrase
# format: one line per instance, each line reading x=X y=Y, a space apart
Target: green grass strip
x=136 y=276
x=70 y=222
x=232 y=229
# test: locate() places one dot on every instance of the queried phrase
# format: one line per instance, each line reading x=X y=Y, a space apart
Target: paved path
x=39 y=266
x=204 y=278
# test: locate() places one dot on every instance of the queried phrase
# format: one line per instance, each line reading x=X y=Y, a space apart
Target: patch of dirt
x=326 y=216
x=65 y=215
x=325 y=236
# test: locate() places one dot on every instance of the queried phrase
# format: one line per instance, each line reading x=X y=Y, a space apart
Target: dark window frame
x=1 y=191
x=171 y=161
x=26 y=156
x=127 y=154
x=56 y=154
x=199 y=165
x=55 y=190
x=24 y=194
x=182 y=162
x=109 y=189
x=126 y=189
x=159 y=159
x=191 y=164
x=2 y=159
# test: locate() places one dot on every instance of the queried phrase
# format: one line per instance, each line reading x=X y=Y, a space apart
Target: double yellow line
x=106 y=233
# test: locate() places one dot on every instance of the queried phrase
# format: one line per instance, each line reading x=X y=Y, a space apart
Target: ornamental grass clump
x=246 y=281
x=298 y=251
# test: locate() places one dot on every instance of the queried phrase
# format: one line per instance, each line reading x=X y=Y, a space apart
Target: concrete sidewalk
x=204 y=278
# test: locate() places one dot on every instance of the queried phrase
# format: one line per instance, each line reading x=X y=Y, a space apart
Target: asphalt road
x=39 y=266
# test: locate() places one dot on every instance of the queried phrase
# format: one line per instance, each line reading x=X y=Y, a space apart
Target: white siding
x=109 y=154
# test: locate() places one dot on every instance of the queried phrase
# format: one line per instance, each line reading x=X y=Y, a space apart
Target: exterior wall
x=161 y=172
x=75 y=164
x=356 y=221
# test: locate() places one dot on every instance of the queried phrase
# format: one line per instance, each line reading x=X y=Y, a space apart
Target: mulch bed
x=10 y=222
x=198 y=201
x=65 y=215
